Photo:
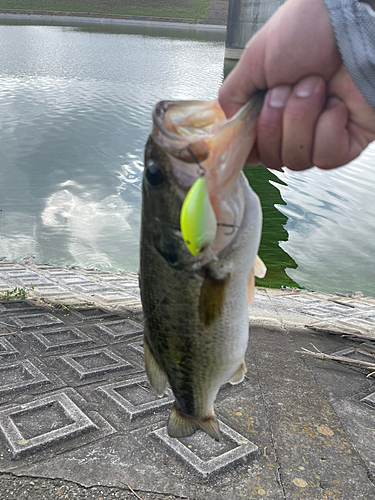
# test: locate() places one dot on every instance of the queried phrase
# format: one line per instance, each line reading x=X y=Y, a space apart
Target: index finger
x=236 y=90
x=245 y=79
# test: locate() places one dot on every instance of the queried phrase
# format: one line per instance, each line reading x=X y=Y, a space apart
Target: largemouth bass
x=196 y=306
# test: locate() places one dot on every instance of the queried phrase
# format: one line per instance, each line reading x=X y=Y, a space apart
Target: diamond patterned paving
x=75 y=402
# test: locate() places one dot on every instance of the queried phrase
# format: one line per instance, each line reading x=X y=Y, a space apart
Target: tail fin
x=180 y=425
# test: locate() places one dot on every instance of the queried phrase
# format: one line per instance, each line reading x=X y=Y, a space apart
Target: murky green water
x=75 y=112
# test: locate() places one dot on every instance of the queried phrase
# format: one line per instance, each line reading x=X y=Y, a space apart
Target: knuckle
x=297 y=161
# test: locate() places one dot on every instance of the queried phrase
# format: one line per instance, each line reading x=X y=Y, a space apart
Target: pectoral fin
x=238 y=377
x=180 y=425
x=211 y=299
x=260 y=269
x=156 y=376
x=251 y=288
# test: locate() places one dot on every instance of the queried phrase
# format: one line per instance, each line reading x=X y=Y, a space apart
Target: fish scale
x=195 y=307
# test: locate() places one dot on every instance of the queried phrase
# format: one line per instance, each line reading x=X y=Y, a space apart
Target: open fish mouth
x=182 y=130
x=201 y=143
x=188 y=119
x=198 y=134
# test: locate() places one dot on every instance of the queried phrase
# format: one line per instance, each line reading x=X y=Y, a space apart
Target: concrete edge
x=234 y=54
x=184 y=24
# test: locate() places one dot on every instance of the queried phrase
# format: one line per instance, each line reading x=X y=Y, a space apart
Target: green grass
x=195 y=9
x=15 y=294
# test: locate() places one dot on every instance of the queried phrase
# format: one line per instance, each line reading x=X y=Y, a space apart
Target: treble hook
x=201 y=169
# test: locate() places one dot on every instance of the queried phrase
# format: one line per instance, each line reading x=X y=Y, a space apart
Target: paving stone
x=21 y=273
x=121 y=329
x=38 y=424
x=368 y=318
x=132 y=352
x=72 y=280
x=92 y=288
x=49 y=425
x=34 y=282
x=4 y=285
x=86 y=313
x=325 y=311
x=135 y=397
x=65 y=274
x=36 y=320
x=122 y=284
x=114 y=297
x=48 y=268
x=53 y=340
x=95 y=363
x=287 y=405
x=51 y=291
x=20 y=376
x=206 y=458
x=137 y=347
x=16 y=306
x=7 y=349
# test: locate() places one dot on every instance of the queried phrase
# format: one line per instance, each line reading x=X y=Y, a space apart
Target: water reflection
x=87 y=226
x=267 y=186
x=331 y=225
x=75 y=113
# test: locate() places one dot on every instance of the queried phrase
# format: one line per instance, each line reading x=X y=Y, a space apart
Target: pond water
x=75 y=113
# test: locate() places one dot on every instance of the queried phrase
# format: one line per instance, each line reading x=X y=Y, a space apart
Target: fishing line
x=232 y=226
x=201 y=169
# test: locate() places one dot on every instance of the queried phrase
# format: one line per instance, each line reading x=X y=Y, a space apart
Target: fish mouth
x=189 y=120
x=200 y=142
x=189 y=131
x=183 y=128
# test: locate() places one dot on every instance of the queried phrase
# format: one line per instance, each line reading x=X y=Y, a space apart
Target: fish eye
x=153 y=174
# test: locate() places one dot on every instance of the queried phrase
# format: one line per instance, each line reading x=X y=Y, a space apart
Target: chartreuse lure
x=197 y=220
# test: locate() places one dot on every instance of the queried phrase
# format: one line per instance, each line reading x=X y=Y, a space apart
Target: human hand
x=313 y=113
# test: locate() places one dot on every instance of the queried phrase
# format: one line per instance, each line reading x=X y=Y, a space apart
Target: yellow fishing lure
x=197 y=220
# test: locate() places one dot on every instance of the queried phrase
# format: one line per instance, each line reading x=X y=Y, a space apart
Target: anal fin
x=156 y=376
x=239 y=375
x=180 y=425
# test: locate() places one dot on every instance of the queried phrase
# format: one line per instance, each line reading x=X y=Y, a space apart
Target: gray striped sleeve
x=354 y=26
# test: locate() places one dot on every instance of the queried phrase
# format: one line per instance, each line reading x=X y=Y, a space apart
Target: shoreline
x=23 y=268
x=112 y=19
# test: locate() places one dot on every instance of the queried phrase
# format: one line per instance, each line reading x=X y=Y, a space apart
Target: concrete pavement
x=77 y=413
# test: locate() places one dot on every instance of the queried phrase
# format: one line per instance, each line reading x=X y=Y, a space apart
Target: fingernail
x=307 y=86
x=278 y=96
x=332 y=102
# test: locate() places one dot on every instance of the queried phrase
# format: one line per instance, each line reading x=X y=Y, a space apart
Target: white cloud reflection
x=88 y=225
